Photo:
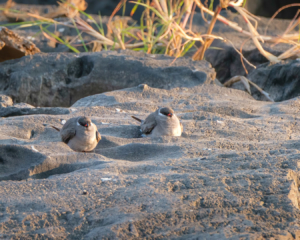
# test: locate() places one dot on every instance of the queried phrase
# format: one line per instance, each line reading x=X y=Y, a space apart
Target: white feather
x=160 y=114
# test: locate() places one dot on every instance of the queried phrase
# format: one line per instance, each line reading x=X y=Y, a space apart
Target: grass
x=165 y=27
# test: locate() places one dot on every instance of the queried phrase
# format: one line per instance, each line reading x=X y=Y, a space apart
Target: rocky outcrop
x=60 y=79
x=227 y=62
x=281 y=80
x=8 y=109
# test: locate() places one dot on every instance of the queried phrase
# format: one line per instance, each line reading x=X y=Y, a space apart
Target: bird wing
x=149 y=123
x=68 y=131
x=98 y=136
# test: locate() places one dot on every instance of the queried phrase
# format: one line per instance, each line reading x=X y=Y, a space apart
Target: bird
x=80 y=134
x=162 y=122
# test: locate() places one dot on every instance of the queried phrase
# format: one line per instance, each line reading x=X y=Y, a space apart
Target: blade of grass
x=100 y=28
x=142 y=32
x=29 y=24
x=80 y=36
x=211 y=5
x=60 y=40
x=187 y=48
x=151 y=8
x=134 y=8
x=124 y=9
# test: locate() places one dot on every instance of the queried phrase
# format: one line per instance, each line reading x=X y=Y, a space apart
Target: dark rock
x=225 y=58
x=8 y=109
x=59 y=79
x=268 y=8
x=19 y=111
x=281 y=80
x=227 y=62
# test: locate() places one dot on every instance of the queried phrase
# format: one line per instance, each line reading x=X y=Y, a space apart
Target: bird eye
x=84 y=124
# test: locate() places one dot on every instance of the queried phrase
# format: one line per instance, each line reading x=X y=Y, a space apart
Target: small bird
x=162 y=122
x=80 y=134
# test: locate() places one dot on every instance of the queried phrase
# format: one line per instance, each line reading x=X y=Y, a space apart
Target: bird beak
x=170 y=115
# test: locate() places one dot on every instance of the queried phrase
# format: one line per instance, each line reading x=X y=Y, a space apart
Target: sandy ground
x=233 y=173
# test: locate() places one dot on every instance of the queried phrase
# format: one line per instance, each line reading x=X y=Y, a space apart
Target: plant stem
x=199 y=55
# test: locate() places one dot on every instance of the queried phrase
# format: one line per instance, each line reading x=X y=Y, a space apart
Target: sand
x=233 y=173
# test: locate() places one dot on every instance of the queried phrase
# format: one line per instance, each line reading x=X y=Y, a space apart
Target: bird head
x=168 y=112
x=84 y=122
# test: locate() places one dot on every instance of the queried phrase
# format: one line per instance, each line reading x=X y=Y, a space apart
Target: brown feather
x=68 y=130
x=98 y=136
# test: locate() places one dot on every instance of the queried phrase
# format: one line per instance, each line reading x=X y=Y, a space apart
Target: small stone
x=143 y=86
x=84 y=192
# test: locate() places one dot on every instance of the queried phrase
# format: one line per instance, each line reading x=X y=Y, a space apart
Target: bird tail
x=57 y=129
x=139 y=120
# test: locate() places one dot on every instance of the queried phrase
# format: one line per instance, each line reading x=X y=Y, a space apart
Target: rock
x=227 y=62
x=225 y=58
x=13 y=46
x=58 y=79
x=281 y=80
x=8 y=109
x=267 y=9
x=19 y=111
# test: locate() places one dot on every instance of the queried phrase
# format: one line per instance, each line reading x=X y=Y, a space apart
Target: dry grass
x=246 y=82
x=167 y=28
